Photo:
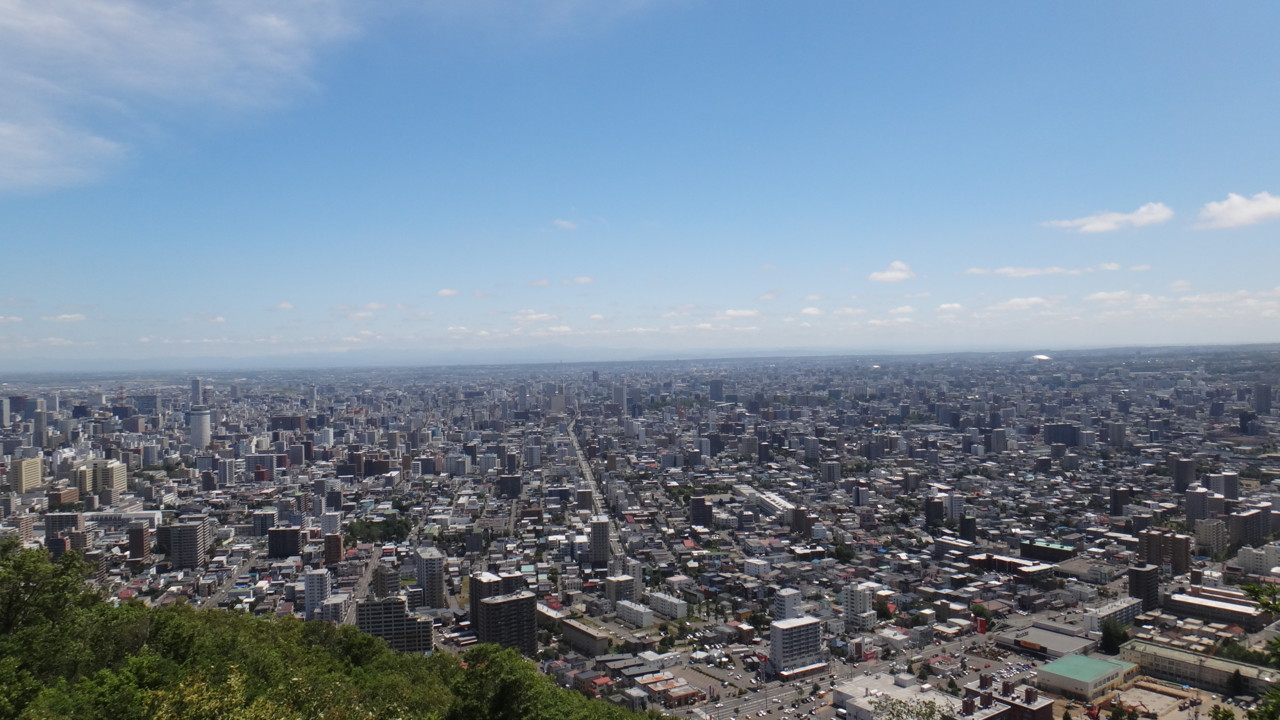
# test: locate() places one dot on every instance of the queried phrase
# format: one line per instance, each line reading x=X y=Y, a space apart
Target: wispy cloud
x=446 y=292
x=540 y=282
x=1020 y=303
x=848 y=311
x=811 y=311
x=950 y=307
x=1027 y=272
x=740 y=313
x=1238 y=211
x=1150 y=214
x=565 y=224
x=904 y=310
x=896 y=272
x=286 y=305
x=580 y=280
x=67 y=318
x=61 y=62
x=9 y=319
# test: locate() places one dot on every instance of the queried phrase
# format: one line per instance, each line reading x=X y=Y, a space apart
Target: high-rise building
x=715 y=390
x=390 y=620
x=1144 y=584
x=795 y=644
x=197 y=392
x=201 y=427
x=284 y=541
x=1161 y=546
x=429 y=563
x=859 y=604
x=599 y=549
x=100 y=475
x=1262 y=398
x=317 y=586
x=786 y=604
x=186 y=543
x=1184 y=474
x=699 y=511
x=26 y=475
x=140 y=541
x=57 y=523
x=510 y=621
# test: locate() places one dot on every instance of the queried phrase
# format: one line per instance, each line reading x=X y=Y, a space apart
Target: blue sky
x=583 y=179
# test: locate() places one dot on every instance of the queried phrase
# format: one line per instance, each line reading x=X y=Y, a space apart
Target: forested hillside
x=65 y=654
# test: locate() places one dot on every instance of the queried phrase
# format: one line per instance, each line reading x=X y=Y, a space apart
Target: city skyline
x=326 y=183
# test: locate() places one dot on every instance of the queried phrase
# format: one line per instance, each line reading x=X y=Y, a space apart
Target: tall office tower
x=1197 y=503
x=99 y=475
x=26 y=475
x=429 y=563
x=812 y=449
x=186 y=543
x=197 y=392
x=969 y=528
x=795 y=643
x=1144 y=584
x=40 y=428
x=999 y=440
x=831 y=472
x=599 y=548
x=859 y=605
x=201 y=433
x=1226 y=484
x=700 y=511
x=284 y=541
x=140 y=541
x=620 y=395
x=1160 y=546
x=333 y=549
x=509 y=621
x=786 y=604
x=1262 y=398
x=715 y=390
x=1120 y=497
x=1184 y=474
x=390 y=620
x=5 y=411
x=56 y=524
x=313 y=397
x=481 y=585
x=1115 y=434
x=317 y=586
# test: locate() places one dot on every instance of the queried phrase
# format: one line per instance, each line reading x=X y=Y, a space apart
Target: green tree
x=1218 y=712
x=1113 y=636
x=896 y=709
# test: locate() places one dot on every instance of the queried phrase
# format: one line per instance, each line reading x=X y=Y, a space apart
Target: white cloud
x=1109 y=296
x=362 y=315
x=1149 y=214
x=458 y=330
x=740 y=313
x=904 y=310
x=1022 y=272
x=896 y=272
x=70 y=317
x=811 y=311
x=771 y=295
x=532 y=316
x=813 y=298
x=846 y=311
x=1238 y=211
x=446 y=292
x=1139 y=268
x=1109 y=267
x=580 y=280
x=950 y=307
x=286 y=305
x=541 y=282
x=218 y=319
x=566 y=224
x=597 y=316
x=374 y=306
x=9 y=319
x=63 y=64
x=1180 y=285
x=560 y=329
x=1022 y=303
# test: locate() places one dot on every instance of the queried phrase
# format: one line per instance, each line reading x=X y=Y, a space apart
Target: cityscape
x=1006 y=535
x=638 y=359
